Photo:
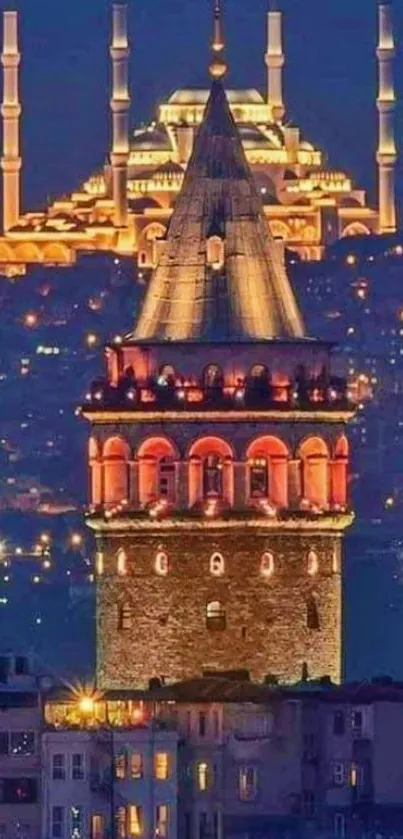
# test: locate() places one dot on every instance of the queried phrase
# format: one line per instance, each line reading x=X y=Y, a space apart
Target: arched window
x=217 y=565
x=259 y=478
x=267 y=459
x=157 y=459
x=166 y=376
x=312 y=614
x=215 y=615
x=211 y=471
x=121 y=562
x=267 y=564
x=313 y=563
x=258 y=382
x=161 y=563
x=116 y=456
x=340 y=472
x=213 y=378
x=99 y=563
x=314 y=456
x=124 y=616
x=215 y=252
x=202 y=776
x=212 y=476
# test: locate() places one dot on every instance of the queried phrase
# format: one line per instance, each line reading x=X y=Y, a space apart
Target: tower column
x=386 y=104
x=11 y=112
x=275 y=61
x=120 y=104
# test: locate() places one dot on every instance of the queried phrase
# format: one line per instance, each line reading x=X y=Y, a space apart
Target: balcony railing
x=309 y=395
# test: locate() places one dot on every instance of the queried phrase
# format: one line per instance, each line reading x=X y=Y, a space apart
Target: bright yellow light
x=45 y=538
x=76 y=540
x=91 y=339
x=389 y=503
x=351 y=260
x=86 y=704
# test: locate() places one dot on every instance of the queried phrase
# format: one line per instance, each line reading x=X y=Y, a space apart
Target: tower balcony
x=308 y=396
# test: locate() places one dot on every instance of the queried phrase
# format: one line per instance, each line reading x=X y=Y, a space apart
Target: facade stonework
x=266 y=627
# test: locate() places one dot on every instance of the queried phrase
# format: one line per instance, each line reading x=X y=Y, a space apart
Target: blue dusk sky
x=330 y=75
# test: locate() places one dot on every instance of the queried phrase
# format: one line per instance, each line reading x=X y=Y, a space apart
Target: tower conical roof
x=250 y=296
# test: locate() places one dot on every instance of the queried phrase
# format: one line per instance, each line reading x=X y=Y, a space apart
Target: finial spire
x=218 y=67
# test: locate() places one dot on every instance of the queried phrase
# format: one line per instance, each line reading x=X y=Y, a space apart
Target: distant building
x=20 y=747
x=127 y=206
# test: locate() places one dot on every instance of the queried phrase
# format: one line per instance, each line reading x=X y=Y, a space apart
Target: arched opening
x=355 y=229
x=215 y=252
x=313 y=563
x=215 y=616
x=57 y=254
x=161 y=564
x=314 y=458
x=211 y=473
x=258 y=386
x=213 y=381
x=267 y=464
x=146 y=246
x=217 y=565
x=166 y=377
x=124 y=616
x=340 y=472
x=267 y=564
x=158 y=461
x=28 y=252
x=95 y=464
x=121 y=562
x=115 y=458
x=312 y=614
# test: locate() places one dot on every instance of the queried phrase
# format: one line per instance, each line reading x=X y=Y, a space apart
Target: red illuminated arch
x=340 y=472
x=314 y=456
x=211 y=471
x=95 y=463
x=267 y=459
x=115 y=458
x=158 y=459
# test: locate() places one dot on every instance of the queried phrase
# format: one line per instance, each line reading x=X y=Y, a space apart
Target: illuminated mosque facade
x=126 y=208
x=218 y=456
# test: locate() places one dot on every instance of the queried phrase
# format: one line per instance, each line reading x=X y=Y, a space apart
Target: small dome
x=151 y=138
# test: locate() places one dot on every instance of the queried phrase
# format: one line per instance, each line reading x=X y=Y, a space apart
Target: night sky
x=330 y=75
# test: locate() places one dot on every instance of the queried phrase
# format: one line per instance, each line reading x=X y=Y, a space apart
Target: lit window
x=124 y=616
x=215 y=615
x=202 y=776
x=76 y=822
x=57 y=822
x=313 y=563
x=136 y=766
x=217 y=565
x=135 y=820
x=161 y=563
x=161 y=820
x=259 y=483
x=97 y=827
x=215 y=252
x=77 y=767
x=100 y=563
x=120 y=819
x=120 y=766
x=22 y=743
x=161 y=766
x=354 y=775
x=338 y=774
x=59 y=767
x=247 y=783
x=121 y=562
x=267 y=564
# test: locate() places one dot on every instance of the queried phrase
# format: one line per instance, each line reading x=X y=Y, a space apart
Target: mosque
x=126 y=208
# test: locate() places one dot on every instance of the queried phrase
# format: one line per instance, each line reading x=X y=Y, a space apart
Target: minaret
x=386 y=156
x=11 y=112
x=120 y=104
x=275 y=61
